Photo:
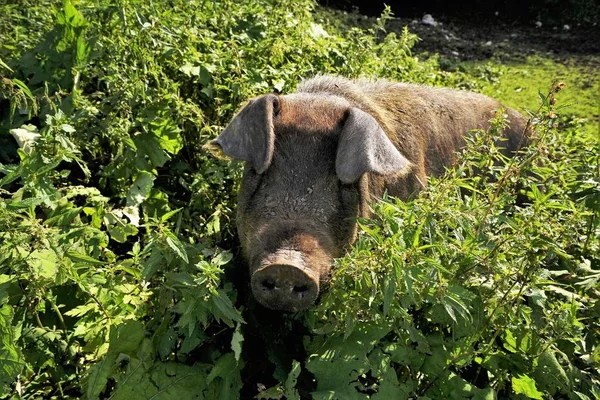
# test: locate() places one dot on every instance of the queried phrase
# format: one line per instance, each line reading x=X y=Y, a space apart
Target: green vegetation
x=516 y=84
x=117 y=242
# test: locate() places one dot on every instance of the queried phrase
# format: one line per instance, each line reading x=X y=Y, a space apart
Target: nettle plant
x=486 y=286
x=113 y=220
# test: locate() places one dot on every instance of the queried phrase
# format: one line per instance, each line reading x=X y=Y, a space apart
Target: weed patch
x=118 y=267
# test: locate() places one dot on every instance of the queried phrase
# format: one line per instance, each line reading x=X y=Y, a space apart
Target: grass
x=516 y=85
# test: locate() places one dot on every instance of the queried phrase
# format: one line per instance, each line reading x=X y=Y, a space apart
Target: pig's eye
x=276 y=107
x=250 y=173
x=346 y=186
x=349 y=193
x=250 y=182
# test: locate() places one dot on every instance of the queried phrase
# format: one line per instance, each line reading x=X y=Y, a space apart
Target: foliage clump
x=115 y=224
x=485 y=286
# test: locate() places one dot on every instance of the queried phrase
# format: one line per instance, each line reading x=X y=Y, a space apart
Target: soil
x=478 y=39
x=466 y=40
x=476 y=31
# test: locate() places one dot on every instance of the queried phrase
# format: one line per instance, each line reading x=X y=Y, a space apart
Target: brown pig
x=314 y=159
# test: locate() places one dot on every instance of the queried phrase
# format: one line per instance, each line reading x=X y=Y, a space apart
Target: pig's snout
x=285 y=287
x=285 y=283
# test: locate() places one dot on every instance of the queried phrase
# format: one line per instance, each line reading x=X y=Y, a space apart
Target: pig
x=315 y=158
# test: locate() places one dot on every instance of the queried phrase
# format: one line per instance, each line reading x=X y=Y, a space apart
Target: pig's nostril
x=301 y=289
x=268 y=284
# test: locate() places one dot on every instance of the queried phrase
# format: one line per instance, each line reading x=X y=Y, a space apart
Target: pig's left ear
x=364 y=147
x=249 y=136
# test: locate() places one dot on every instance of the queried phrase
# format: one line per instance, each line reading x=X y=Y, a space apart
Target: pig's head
x=302 y=190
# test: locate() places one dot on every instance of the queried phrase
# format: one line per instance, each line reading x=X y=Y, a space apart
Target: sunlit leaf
x=175 y=245
x=523 y=384
x=236 y=341
x=11 y=360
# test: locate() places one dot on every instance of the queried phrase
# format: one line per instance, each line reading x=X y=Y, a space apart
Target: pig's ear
x=364 y=147
x=249 y=136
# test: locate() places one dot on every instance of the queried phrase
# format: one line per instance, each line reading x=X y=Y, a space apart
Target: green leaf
x=543 y=98
x=175 y=244
x=461 y=183
x=24 y=88
x=67 y=128
x=455 y=298
x=82 y=309
x=153 y=263
x=167 y=343
x=436 y=363
x=44 y=263
x=523 y=384
x=337 y=363
x=190 y=70
x=140 y=190
x=223 y=366
x=225 y=310
x=11 y=360
x=520 y=341
x=225 y=377
x=417 y=234
x=78 y=257
x=4 y=65
x=168 y=134
x=148 y=145
x=160 y=380
x=63 y=215
x=510 y=342
x=204 y=76
x=290 y=383
x=389 y=290
x=222 y=258
x=70 y=15
x=550 y=374
x=485 y=394
x=12 y=172
x=14 y=205
x=124 y=338
x=165 y=217
x=449 y=310
x=120 y=233
x=272 y=393
x=236 y=341
x=83 y=50
x=189 y=344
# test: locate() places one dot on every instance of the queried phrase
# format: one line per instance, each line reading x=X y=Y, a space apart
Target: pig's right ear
x=250 y=136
